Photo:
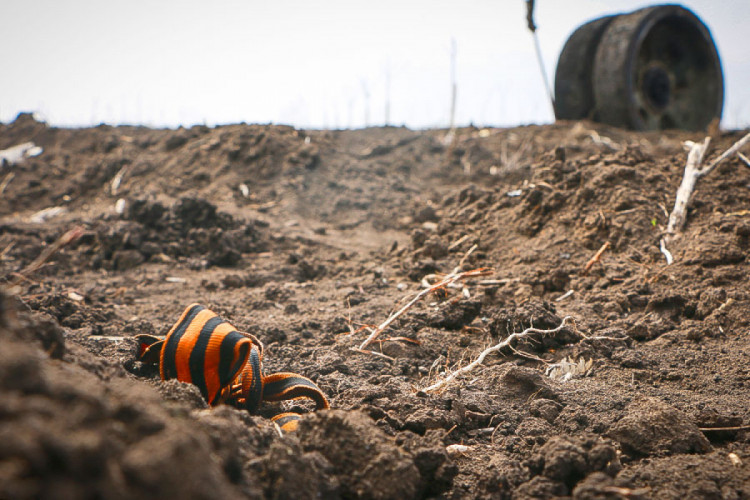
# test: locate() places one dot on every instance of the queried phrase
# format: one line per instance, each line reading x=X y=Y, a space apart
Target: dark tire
x=658 y=68
x=574 y=94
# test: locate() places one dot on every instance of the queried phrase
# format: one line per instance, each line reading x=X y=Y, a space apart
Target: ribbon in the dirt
x=225 y=364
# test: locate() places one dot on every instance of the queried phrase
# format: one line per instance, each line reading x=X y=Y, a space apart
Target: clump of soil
x=305 y=239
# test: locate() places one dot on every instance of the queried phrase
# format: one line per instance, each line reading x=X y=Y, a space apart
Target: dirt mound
x=308 y=238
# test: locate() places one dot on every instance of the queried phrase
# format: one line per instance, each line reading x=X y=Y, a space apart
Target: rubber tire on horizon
x=574 y=93
x=657 y=68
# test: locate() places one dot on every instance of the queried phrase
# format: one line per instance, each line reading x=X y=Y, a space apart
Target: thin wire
x=544 y=72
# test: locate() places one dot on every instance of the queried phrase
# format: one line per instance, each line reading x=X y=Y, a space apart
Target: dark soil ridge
x=331 y=230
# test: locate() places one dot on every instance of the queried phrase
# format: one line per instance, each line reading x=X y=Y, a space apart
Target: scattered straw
x=448 y=280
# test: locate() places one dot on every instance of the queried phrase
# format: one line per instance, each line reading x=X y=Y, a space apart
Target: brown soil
x=333 y=230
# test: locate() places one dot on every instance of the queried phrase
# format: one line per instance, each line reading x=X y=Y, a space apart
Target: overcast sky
x=311 y=64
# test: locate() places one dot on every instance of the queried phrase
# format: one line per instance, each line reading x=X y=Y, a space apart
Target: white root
x=666 y=252
x=480 y=359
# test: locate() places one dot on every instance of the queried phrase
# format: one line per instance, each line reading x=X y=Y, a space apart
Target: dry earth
x=302 y=237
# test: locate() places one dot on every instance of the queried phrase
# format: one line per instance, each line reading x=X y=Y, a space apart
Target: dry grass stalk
x=400 y=339
x=503 y=281
x=511 y=160
x=466 y=256
x=65 y=239
x=6 y=181
x=373 y=353
x=448 y=280
x=7 y=249
x=626 y=492
x=596 y=258
x=117 y=180
x=565 y=295
x=458 y=241
x=480 y=359
x=735 y=428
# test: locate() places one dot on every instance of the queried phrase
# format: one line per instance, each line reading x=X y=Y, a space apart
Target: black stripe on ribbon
x=254 y=395
x=291 y=386
x=198 y=356
x=228 y=371
x=284 y=420
x=169 y=367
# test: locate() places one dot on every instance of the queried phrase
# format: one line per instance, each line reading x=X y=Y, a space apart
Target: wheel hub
x=656 y=87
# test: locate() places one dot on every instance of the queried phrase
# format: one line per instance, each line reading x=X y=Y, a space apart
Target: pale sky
x=311 y=64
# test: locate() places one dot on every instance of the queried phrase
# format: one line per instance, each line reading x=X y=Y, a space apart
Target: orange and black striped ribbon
x=203 y=349
x=207 y=351
x=283 y=386
x=252 y=381
x=287 y=422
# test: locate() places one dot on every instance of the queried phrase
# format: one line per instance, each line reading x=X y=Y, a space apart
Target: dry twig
x=458 y=241
x=593 y=260
x=63 y=240
x=480 y=359
x=736 y=428
x=7 y=249
x=6 y=181
x=450 y=279
x=693 y=172
x=626 y=492
x=733 y=149
x=565 y=295
x=463 y=259
x=117 y=180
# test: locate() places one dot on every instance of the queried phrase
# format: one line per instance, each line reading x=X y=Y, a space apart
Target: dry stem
x=458 y=241
x=734 y=149
x=63 y=240
x=736 y=428
x=451 y=278
x=480 y=359
x=597 y=256
x=6 y=181
x=693 y=172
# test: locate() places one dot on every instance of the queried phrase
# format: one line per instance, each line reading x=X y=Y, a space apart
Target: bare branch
x=726 y=154
x=692 y=173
